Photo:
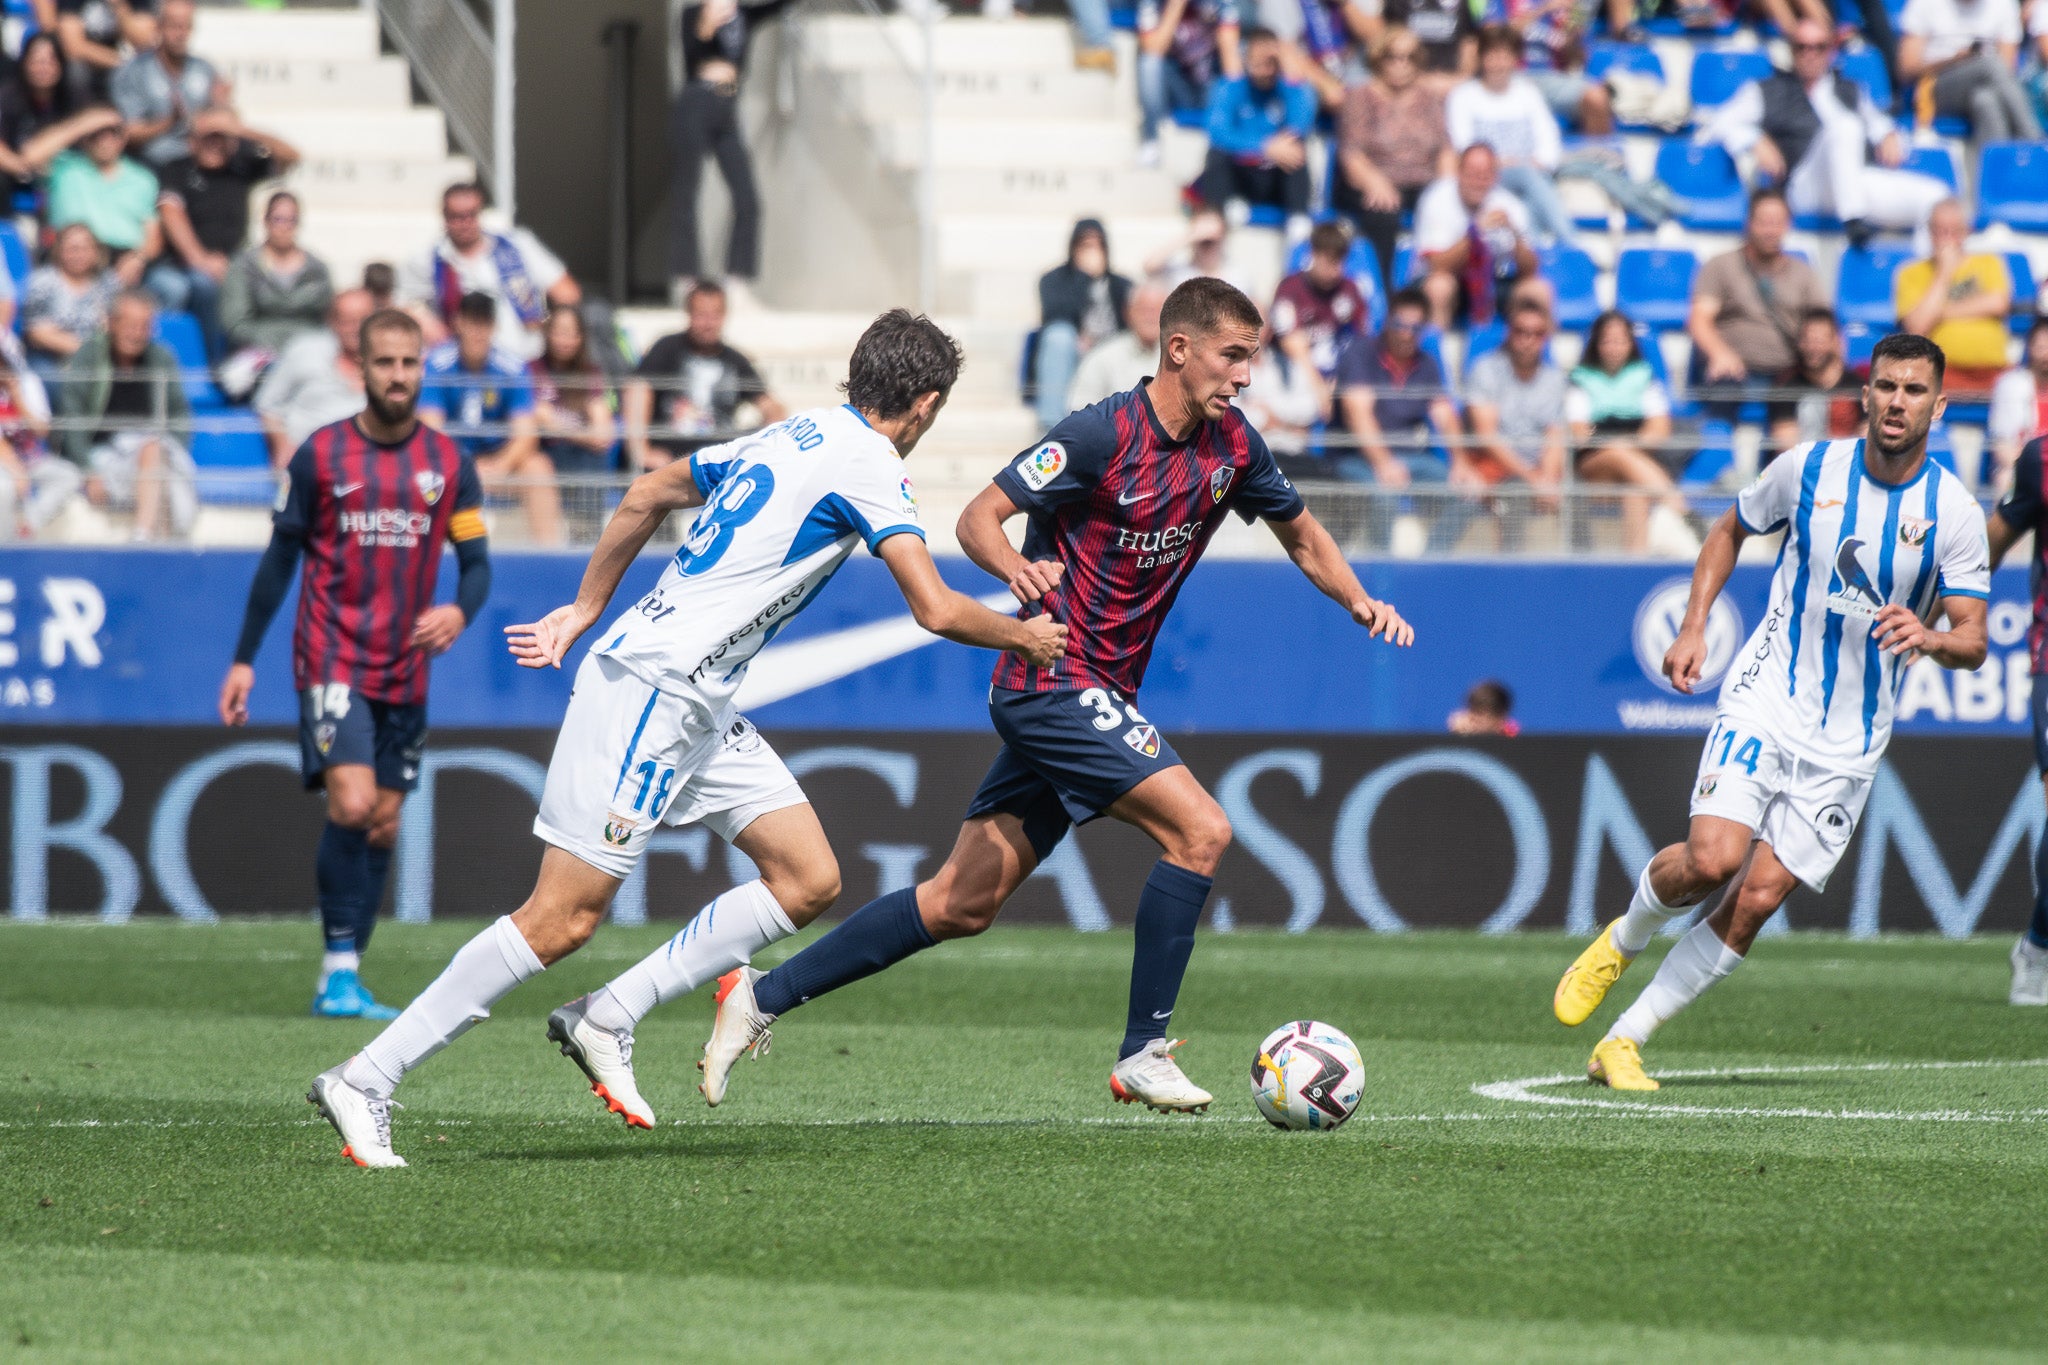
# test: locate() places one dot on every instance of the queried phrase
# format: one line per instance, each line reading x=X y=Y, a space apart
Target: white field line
x=1523 y=1091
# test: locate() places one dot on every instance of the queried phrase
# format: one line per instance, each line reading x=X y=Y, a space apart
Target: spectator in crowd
x=481 y=396
x=1553 y=34
x=1319 y=309
x=1515 y=401
x=1746 y=307
x=512 y=268
x=1392 y=141
x=1473 y=237
x=1395 y=401
x=34 y=97
x=380 y=282
x=1449 y=35
x=1259 y=126
x=1117 y=364
x=1321 y=41
x=1283 y=403
x=1184 y=47
x=1092 y=36
x=2019 y=403
x=1204 y=251
x=696 y=383
x=127 y=421
x=1821 y=397
x=316 y=379
x=2034 y=66
x=34 y=484
x=276 y=290
x=717 y=35
x=204 y=204
x=572 y=398
x=159 y=91
x=1504 y=110
x=91 y=33
x=1487 y=711
x=1620 y=416
x=1081 y=305
x=1959 y=58
x=1959 y=300
x=68 y=298
x=8 y=302
x=100 y=187
x=1820 y=135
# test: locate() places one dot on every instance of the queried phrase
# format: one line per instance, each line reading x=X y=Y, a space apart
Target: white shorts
x=630 y=757
x=1804 y=810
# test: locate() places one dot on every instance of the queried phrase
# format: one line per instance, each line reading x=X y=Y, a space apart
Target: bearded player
x=1880 y=542
x=1121 y=498
x=368 y=501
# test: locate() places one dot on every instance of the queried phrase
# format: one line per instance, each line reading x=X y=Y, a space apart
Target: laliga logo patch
x=1656 y=629
x=618 y=830
x=909 y=498
x=1144 y=739
x=1219 y=483
x=430 y=484
x=1042 y=465
x=1913 y=531
x=323 y=737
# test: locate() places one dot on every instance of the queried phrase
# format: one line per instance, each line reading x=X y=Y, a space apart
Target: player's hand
x=1898 y=631
x=1036 y=579
x=437 y=628
x=234 y=695
x=1045 y=641
x=1382 y=622
x=542 y=643
x=1685 y=660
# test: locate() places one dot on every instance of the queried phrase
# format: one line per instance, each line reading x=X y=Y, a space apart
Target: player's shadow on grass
x=1734 y=1082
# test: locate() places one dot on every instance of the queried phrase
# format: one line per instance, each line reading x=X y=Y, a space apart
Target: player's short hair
x=1908 y=346
x=1198 y=307
x=1331 y=240
x=388 y=320
x=1769 y=194
x=1817 y=317
x=477 y=306
x=1500 y=38
x=1409 y=296
x=900 y=357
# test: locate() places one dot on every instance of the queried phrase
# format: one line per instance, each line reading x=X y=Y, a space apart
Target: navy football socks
x=2037 y=929
x=879 y=934
x=377 y=862
x=341 y=870
x=1168 y=909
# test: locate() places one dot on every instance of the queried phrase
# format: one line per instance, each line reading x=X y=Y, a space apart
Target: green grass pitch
x=929 y=1164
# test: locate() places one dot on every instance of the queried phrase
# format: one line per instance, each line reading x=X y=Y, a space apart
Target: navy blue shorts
x=1067 y=757
x=337 y=727
x=2040 y=710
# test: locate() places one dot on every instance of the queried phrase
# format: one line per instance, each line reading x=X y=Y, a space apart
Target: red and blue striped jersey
x=2026 y=509
x=1128 y=510
x=373 y=519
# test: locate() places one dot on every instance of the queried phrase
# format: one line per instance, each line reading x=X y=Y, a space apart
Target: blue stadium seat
x=1363 y=266
x=15 y=252
x=1654 y=286
x=1571 y=273
x=1863 y=289
x=1718 y=73
x=1715 y=456
x=2026 y=294
x=1653 y=353
x=1859 y=339
x=1935 y=161
x=2009 y=181
x=1604 y=55
x=180 y=332
x=230 y=449
x=1266 y=216
x=1705 y=179
x=1865 y=66
x=1481 y=340
x=1407 y=266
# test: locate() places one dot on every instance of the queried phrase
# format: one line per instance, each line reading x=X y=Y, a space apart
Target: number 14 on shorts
x=1728 y=745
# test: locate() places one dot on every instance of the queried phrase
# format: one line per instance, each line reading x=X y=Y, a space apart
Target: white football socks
x=724 y=935
x=480 y=974
x=1699 y=960
x=332 y=962
x=1646 y=915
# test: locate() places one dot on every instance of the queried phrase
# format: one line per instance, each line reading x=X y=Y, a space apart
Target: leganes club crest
x=618 y=830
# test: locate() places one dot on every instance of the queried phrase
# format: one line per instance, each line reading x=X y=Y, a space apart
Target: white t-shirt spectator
x=1441 y=221
x=1516 y=123
x=1952 y=26
x=2015 y=413
x=479 y=274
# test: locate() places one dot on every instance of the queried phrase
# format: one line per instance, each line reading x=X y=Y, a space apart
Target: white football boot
x=2029 y=974
x=1152 y=1078
x=606 y=1057
x=740 y=1028
x=362 y=1119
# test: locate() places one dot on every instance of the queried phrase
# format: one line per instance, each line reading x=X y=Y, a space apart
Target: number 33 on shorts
x=1111 y=711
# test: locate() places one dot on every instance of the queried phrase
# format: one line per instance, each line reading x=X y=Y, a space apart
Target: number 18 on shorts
x=1804 y=810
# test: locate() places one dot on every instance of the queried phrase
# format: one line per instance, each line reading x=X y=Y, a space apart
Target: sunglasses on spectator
x=281 y=219
x=1813 y=47
x=459 y=215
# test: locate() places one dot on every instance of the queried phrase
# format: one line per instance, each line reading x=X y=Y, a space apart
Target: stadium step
x=877 y=93
x=262 y=81
x=420 y=131
x=223 y=34
x=1071 y=191
x=1055 y=142
x=851 y=41
x=377 y=182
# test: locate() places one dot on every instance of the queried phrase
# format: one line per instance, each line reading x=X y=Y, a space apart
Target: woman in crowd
x=572 y=402
x=67 y=301
x=1620 y=415
x=275 y=290
x=31 y=99
x=1392 y=141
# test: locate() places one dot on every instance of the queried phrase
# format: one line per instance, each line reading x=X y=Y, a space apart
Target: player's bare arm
x=648 y=501
x=983 y=540
x=958 y=617
x=1687 y=657
x=1963 y=645
x=1323 y=564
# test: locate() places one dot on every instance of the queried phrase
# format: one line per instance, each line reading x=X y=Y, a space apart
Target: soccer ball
x=1307 y=1075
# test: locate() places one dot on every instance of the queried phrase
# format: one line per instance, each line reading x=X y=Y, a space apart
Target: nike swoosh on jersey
x=342 y=490
x=1125 y=500
x=782 y=671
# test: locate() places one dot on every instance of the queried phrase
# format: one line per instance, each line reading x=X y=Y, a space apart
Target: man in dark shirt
x=2025 y=510
x=689 y=387
x=1828 y=405
x=1319 y=310
x=706 y=122
x=204 y=204
x=1395 y=402
x=1450 y=37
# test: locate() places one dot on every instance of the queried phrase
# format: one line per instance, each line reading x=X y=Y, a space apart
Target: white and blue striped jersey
x=1811 y=676
x=783 y=508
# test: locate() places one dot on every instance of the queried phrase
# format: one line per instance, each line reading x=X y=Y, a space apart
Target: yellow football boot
x=1586 y=982
x=1618 y=1065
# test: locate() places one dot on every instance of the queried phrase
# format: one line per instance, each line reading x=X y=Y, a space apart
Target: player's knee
x=954 y=910
x=807 y=892
x=1714 y=861
x=1203 y=842
x=351 y=810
